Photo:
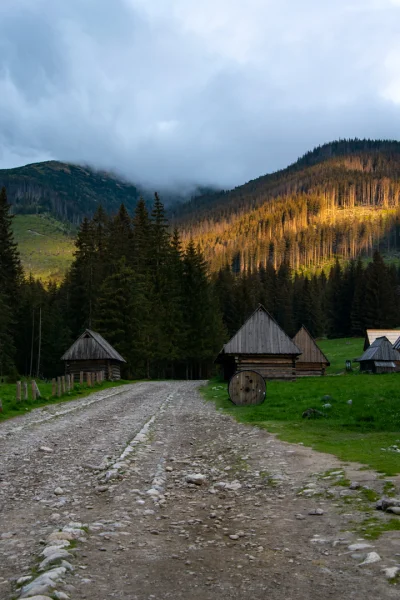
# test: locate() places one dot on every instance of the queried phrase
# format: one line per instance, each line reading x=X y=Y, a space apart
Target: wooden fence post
x=89 y=379
x=59 y=387
x=81 y=377
x=25 y=388
x=18 y=391
x=53 y=388
x=1 y=406
x=63 y=384
x=38 y=394
x=33 y=384
x=68 y=383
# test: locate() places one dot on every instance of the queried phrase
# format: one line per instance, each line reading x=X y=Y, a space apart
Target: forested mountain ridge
x=66 y=191
x=342 y=199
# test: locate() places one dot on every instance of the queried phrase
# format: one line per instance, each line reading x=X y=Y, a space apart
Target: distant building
x=380 y=357
x=91 y=353
x=260 y=345
x=372 y=334
x=312 y=361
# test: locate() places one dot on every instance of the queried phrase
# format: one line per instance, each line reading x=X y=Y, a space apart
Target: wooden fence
x=59 y=386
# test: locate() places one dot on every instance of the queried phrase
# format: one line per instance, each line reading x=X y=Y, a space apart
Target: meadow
x=46 y=246
x=12 y=408
x=365 y=430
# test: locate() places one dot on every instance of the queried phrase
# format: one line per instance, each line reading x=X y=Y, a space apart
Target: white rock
x=391 y=572
x=45 y=449
x=41 y=597
x=54 y=558
x=23 y=580
x=61 y=596
x=151 y=492
x=49 y=550
x=361 y=546
x=196 y=478
x=394 y=509
x=372 y=557
x=234 y=486
x=316 y=512
x=58 y=491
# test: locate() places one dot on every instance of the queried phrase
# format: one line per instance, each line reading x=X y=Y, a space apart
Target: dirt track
x=252 y=538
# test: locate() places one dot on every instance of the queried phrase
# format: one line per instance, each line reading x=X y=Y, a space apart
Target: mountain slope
x=46 y=246
x=68 y=192
x=342 y=199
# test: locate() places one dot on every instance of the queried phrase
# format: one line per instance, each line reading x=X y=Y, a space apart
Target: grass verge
x=366 y=431
x=13 y=409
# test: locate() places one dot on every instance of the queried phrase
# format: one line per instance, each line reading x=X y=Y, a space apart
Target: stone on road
x=147 y=491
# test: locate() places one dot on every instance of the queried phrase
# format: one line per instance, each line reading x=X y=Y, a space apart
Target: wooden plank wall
x=270 y=367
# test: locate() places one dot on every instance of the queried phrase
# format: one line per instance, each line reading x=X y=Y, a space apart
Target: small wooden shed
x=312 y=361
x=260 y=345
x=380 y=357
x=91 y=353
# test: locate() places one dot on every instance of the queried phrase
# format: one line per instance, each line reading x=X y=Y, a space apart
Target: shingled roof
x=372 y=334
x=260 y=334
x=92 y=346
x=311 y=353
x=380 y=350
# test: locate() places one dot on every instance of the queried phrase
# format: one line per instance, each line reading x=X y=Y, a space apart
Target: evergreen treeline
x=155 y=302
x=131 y=281
x=344 y=304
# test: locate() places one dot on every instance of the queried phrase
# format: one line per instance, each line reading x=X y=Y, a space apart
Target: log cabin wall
x=310 y=369
x=278 y=367
x=111 y=371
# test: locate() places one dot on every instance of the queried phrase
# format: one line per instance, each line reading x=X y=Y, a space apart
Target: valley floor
x=266 y=519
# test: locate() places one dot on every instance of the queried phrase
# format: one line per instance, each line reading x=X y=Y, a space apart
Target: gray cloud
x=175 y=92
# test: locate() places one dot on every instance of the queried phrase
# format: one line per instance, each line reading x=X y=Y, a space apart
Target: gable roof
x=260 y=334
x=91 y=346
x=372 y=334
x=380 y=350
x=311 y=353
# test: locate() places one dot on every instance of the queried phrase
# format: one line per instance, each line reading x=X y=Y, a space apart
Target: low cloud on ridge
x=175 y=92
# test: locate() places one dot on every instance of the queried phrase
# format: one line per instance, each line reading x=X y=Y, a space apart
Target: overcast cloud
x=180 y=91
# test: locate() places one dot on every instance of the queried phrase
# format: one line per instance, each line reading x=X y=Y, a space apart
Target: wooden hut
x=380 y=357
x=372 y=334
x=396 y=346
x=91 y=353
x=260 y=345
x=312 y=360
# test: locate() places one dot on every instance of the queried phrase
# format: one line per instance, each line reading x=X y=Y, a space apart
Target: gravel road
x=146 y=491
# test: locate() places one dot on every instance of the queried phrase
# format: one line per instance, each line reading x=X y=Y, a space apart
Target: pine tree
x=10 y=264
x=380 y=301
x=11 y=277
x=118 y=318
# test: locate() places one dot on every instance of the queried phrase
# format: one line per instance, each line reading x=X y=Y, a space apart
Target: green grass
x=45 y=244
x=361 y=432
x=13 y=409
x=340 y=350
x=373 y=528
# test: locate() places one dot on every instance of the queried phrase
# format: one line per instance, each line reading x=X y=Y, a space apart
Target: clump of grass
x=373 y=527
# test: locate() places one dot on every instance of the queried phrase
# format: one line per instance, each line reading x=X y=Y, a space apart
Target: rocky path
x=146 y=491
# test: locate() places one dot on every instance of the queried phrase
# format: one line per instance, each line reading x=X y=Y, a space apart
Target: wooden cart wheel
x=247 y=387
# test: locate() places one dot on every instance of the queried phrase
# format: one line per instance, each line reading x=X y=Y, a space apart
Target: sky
x=180 y=92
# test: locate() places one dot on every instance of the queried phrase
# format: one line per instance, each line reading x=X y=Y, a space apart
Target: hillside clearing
x=45 y=244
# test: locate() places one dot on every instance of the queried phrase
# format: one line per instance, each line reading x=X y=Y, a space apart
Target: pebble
x=196 y=478
x=60 y=596
x=354 y=485
x=391 y=572
x=316 y=511
x=394 y=509
x=372 y=557
x=102 y=488
x=45 y=449
x=360 y=546
x=300 y=517
x=234 y=537
x=58 y=491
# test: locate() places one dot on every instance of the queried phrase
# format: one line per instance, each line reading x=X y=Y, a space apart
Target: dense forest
x=156 y=302
x=341 y=200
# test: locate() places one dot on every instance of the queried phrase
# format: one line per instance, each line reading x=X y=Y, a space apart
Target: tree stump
x=246 y=388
